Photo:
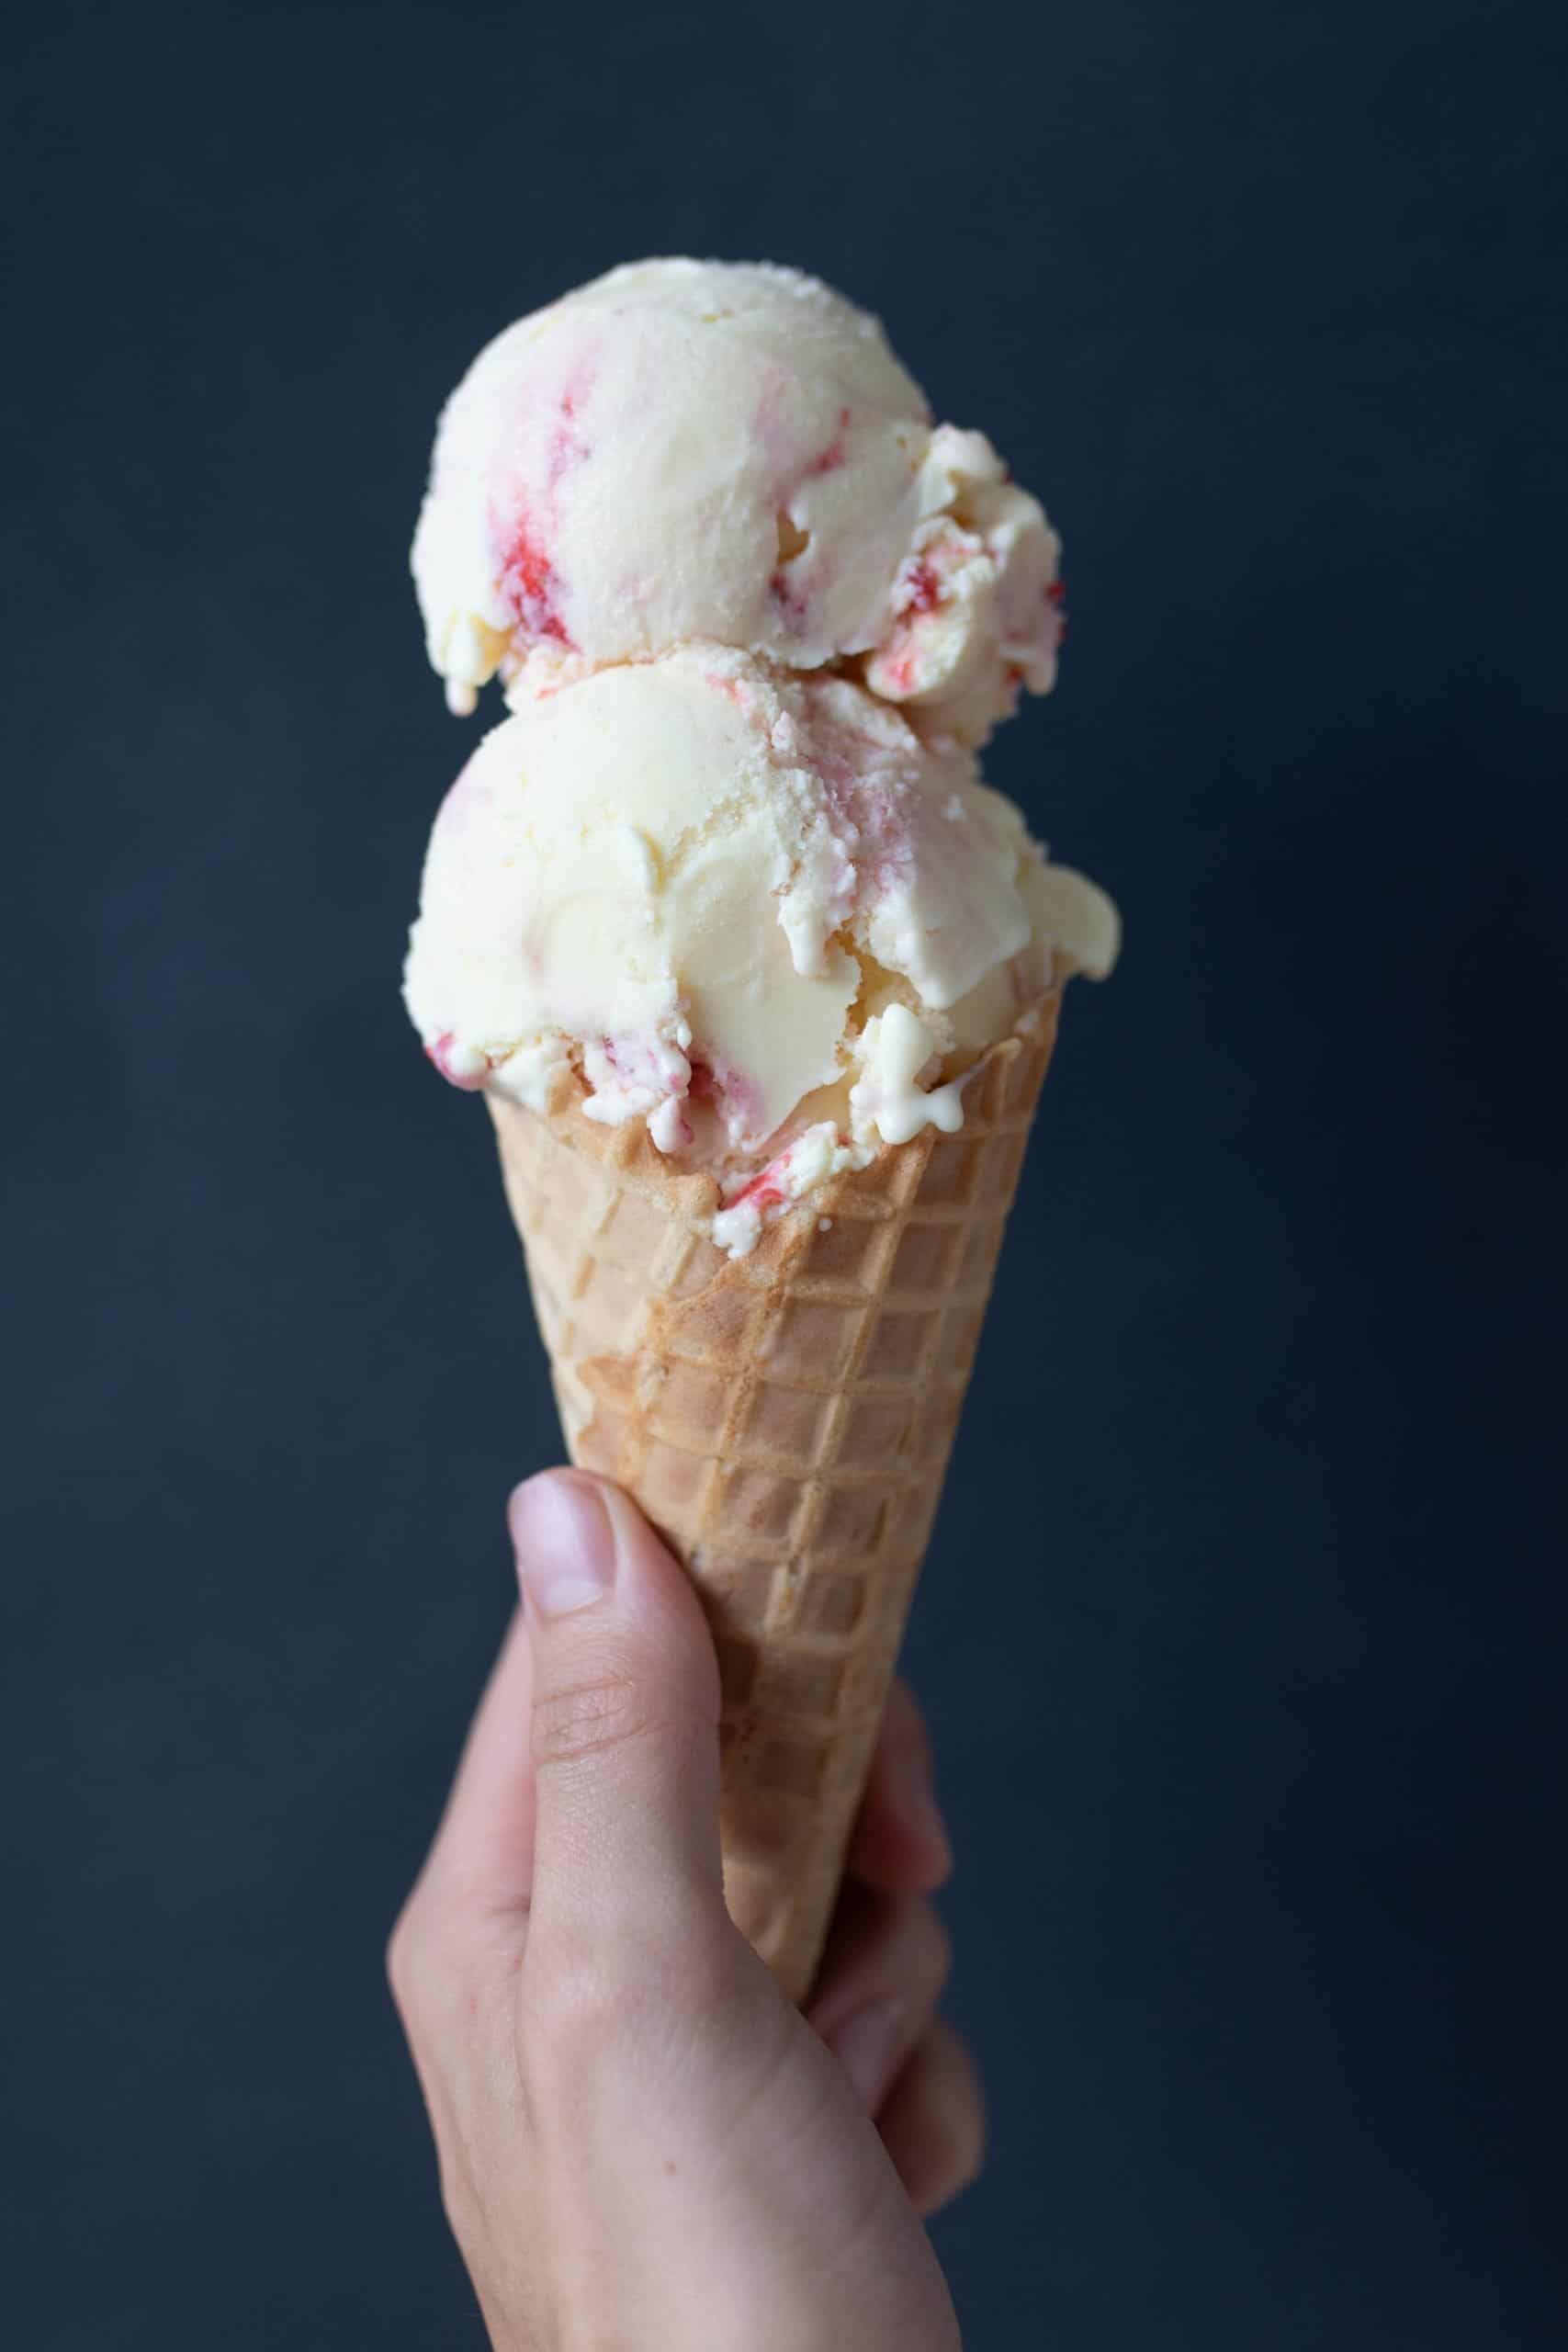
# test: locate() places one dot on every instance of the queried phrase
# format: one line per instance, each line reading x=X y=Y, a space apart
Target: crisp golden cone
x=785 y=1420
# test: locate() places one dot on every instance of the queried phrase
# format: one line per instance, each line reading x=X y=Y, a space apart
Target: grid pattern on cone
x=785 y=1419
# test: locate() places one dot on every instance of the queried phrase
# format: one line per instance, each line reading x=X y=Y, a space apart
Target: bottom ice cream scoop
x=749 y=907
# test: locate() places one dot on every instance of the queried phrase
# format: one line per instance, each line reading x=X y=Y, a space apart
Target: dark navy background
x=1242 y=1635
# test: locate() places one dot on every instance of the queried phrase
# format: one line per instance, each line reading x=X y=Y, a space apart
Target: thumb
x=625 y=1705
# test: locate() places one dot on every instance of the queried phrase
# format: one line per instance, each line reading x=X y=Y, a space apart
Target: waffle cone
x=785 y=1420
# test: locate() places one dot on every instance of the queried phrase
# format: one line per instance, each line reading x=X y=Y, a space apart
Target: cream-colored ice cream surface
x=750 y=906
x=726 y=452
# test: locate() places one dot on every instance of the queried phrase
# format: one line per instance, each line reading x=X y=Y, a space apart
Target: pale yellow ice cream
x=753 y=909
x=729 y=863
x=728 y=452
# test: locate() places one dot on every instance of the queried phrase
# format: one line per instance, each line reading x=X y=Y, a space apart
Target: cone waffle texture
x=785 y=1420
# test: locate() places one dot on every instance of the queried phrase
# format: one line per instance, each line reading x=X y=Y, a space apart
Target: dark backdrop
x=1242 y=1632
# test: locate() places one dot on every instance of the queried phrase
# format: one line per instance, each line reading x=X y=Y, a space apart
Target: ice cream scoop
x=726 y=452
x=749 y=906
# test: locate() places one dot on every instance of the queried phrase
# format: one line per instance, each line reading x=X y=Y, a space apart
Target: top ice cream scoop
x=728 y=452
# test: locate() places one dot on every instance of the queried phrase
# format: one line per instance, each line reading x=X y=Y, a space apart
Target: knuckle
x=969 y=2156
x=402 y=1959
x=589 y=1998
x=604 y=1712
x=963 y=2110
x=576 y=2001
x=966 y=2123
x=429 y=1967
x=571 y=2020
x=447 y=1973
x=907 y=1721
x=933 y=1950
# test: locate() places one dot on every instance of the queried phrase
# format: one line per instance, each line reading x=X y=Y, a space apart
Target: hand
x=642 y=2144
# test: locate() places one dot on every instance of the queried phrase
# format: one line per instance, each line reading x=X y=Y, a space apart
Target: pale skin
x=640 y=2142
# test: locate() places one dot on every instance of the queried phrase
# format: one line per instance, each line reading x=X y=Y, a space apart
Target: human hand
x=641 y=2143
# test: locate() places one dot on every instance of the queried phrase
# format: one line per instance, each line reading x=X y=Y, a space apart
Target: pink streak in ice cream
x=528 y=586
x=751 y=909
x=730 y=452
x=730 y=871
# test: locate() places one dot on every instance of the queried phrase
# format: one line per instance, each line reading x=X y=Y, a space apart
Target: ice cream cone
x=785 y=1419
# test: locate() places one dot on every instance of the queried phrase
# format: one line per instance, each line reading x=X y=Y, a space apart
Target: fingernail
x=866 y=2046
x=564 y=1543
